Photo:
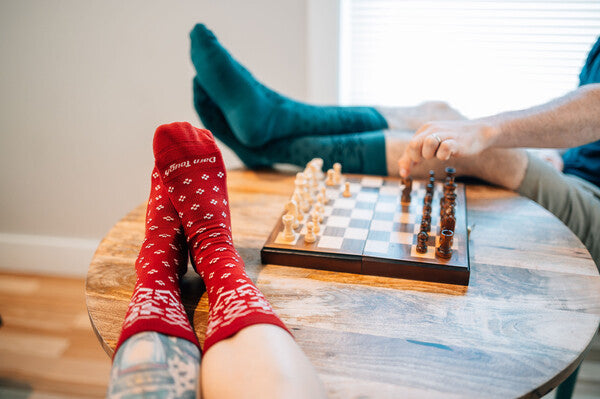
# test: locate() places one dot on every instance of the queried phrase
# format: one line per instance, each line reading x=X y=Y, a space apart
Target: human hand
x=445 y=139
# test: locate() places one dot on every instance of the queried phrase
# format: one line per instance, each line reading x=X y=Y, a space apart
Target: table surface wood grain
x=521 y=326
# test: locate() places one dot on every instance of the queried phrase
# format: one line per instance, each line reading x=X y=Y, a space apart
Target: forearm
x=568 y=121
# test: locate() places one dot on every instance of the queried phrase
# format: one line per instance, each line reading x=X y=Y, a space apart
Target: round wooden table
x=520 y=328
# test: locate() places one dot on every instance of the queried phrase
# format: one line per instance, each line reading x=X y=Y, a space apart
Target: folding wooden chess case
x=373 y=233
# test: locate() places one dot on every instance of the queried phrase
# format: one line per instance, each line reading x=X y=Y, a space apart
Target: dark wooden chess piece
x=426 y=224
x=444 y=250
x=407 y=190
x=426 y=209
x=429 y=189
x=422 y=238
x=449 y=223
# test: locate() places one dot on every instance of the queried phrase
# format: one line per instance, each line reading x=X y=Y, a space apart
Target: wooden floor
x=48 y=349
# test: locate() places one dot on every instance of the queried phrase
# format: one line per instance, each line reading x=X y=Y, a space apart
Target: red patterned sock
x=193 y=172
x=156 y=301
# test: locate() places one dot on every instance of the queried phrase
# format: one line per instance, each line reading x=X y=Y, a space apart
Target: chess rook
x=444 y=250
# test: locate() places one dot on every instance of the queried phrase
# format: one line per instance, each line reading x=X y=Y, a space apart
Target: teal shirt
x=584 y=161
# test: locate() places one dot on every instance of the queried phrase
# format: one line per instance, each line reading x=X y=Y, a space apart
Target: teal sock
x=358 y=152
x=258 y=115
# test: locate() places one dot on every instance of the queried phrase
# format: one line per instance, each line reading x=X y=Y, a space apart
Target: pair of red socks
x=189 y=203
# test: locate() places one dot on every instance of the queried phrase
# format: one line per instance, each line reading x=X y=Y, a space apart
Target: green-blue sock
x=357 y=152
x=258 y=115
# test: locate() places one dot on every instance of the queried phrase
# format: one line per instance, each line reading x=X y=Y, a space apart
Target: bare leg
x=150 y=364
x=260 y=361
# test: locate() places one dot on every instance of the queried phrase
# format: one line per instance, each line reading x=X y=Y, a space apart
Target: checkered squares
x=373 y=222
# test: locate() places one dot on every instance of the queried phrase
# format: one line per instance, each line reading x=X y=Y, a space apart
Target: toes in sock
x=193 y=173
x=156 y=301
x=258 y=115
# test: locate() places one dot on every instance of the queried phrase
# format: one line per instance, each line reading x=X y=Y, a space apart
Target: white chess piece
x=323 y=191
x=347 y=192
x=292 y=209
x=330 y=177
x=288 y=232
x=315 y=220
x=337 y=168
x=310 y=237
x=318 y=162
x=299 y=205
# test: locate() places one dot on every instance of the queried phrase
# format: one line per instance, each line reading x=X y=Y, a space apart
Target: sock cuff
x=249 y=320
x=159 y=326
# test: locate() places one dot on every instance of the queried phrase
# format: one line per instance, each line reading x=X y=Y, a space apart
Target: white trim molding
x=27 y=253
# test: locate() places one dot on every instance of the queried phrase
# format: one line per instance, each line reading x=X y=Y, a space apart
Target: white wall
x=84 y=84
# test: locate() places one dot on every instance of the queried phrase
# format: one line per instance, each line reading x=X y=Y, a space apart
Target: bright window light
x=481 y=56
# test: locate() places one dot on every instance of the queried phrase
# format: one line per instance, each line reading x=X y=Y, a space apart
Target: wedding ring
x=439 y=140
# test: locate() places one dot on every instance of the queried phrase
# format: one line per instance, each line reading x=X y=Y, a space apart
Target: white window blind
x=481 y=56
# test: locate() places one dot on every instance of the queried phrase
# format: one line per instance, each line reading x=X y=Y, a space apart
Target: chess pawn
x=299 y=205
x=428 y=198
x=337 y=168
x=315 y=220
x=444 y=250
x=422 y=238
x=320 y=211
x=347 y=192
x=425 y=224
x=426 y=209
x=442 y=205
x=310 y=237
x=330 y=178
x=323 y=192
x=429 y=188
x=288 y=232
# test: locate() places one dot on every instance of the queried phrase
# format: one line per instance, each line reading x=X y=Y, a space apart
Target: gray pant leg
x=575 y=201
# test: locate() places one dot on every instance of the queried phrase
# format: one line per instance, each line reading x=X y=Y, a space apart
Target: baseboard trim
x=28 y=253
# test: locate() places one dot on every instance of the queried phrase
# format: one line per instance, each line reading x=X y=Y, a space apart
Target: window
x=481 y=56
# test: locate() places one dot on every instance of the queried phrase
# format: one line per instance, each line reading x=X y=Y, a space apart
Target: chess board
x=372 y=233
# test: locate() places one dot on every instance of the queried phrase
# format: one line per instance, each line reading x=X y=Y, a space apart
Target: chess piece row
x=309 y=200
x=425 y=228
x=447 y=216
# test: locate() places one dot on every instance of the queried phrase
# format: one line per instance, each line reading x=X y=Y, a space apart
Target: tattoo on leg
x=151 y=364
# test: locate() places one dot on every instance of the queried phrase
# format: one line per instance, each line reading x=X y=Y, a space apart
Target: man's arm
x=568 y=121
